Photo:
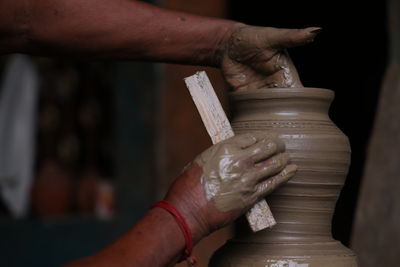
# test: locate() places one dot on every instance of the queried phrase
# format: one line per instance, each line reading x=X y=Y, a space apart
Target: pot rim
x=279 y=93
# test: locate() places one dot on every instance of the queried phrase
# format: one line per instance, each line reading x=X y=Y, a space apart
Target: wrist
x=224 y=42
x=168 y=241
x=197 y=226
x=222 y=35
x=185 y=230
x=189 y=202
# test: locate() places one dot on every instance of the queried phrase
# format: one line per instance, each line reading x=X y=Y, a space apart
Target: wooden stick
x=219 y=128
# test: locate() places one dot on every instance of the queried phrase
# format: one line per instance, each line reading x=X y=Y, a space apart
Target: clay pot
x=303 y=208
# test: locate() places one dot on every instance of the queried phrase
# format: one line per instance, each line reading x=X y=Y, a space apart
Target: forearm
x=117 y=29
x=156 y=240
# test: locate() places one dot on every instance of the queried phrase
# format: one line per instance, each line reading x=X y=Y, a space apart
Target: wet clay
x=235 y=170
x=289 y=76
x=304 y=206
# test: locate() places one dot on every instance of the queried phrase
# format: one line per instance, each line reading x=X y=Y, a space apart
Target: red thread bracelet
x=184 y=227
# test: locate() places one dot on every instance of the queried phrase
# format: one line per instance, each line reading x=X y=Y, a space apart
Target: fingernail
x=316 y=31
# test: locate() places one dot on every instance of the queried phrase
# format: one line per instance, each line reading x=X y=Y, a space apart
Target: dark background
x=349 y=57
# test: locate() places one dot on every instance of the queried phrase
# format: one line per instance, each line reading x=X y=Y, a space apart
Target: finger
x=286 y=38
x=265 y=148
x=261 y=135
x=245 y=78
x=248 y=139
x=289 y=76
x=269 y=167
x=267 y=67
x=281 y=68
x=286 y=77
x=244 y=140
x=258 y=80
x=266 y=187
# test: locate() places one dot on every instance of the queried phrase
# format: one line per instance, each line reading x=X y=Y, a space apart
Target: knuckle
x=278 y=142
x=271 y=146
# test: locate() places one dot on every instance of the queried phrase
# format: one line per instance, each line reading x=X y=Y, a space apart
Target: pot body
x=303 y=208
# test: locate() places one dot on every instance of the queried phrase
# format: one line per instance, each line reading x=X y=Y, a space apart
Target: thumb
x=287 y=38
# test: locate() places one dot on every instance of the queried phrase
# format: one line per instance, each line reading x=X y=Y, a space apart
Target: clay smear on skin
x=230 y=175
x=290 y=77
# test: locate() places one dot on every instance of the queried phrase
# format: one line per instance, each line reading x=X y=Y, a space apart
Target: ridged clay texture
x=303 y=207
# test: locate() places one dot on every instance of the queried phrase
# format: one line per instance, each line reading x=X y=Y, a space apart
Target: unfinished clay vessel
x=303 y=208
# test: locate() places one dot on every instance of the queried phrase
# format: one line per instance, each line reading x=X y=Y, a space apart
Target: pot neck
x=282 y=103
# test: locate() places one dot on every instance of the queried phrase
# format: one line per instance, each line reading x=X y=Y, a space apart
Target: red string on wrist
x=184 y=227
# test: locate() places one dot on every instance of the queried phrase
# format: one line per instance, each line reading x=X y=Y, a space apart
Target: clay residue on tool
x=234 y=171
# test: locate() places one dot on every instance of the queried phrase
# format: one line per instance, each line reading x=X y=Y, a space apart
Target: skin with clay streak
x=234 y=170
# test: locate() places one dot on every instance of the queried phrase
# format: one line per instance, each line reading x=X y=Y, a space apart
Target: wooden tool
x=219 y=128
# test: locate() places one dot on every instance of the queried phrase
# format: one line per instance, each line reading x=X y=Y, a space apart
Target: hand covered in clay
x=228 y=178
x=255 y=57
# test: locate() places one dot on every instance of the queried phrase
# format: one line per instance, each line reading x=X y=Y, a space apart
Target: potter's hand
x=228 y=178
x=221 y=184
x=254 y=57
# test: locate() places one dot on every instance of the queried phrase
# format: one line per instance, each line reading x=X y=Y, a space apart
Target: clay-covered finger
x=287 y=76
x=265 y=135
x=262 y=135
x=266 y=187
x=243 y=140
x=246 y=140
x=267 y=64
x=265 y=148
x=269 y=167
